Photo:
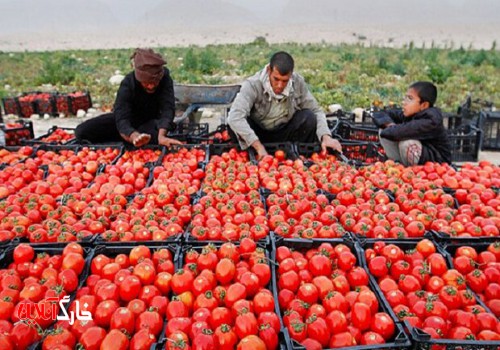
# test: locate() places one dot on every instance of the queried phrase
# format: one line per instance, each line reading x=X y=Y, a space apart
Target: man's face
x=277 y=80
x=149 y=87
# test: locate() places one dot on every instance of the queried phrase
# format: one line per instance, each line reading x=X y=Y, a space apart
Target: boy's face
x=412 y=103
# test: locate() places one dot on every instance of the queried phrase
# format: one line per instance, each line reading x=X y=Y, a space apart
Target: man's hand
x=139 y=139
x=260 y=149
x=167 y=141
x=329 y=142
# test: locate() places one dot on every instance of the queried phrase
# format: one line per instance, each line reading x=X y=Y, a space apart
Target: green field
x=351 y=75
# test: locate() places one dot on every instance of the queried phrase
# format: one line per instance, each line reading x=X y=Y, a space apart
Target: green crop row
x=352 y=75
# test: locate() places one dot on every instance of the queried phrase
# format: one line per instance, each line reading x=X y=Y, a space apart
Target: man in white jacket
x=275 y=105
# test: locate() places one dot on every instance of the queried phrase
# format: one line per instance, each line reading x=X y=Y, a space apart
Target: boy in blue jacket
x=416 y=134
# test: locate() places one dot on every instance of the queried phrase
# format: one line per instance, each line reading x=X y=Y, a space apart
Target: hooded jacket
x=425 y=126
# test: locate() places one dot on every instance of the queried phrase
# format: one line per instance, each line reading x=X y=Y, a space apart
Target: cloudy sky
x=108 y=23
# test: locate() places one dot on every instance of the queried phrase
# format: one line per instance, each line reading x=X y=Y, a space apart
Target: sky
x=54 y=23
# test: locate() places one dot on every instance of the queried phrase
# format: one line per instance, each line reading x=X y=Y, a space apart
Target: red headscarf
x=148 y=65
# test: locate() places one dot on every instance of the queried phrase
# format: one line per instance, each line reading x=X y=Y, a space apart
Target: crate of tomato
x=424 y=291
x=127 y=295
x=70 y=103
x=34 y=279
x=478 y=263
x=16 y=132
x=55 y=135
x=327 y=299
x=10 y=105
x=234 y=303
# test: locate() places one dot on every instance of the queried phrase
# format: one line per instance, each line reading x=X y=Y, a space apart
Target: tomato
x=477 y=280
x=251 y=342
x=488 y=335
x=23 y=253
x=142 y=340
x=182 y=281
x=369 y=338
x=383 y=324
x=342 y=340
x=104 y=310
x=22 y=335
x=317 y=329
x=246 y=324
x=320 y=265
x=225 y=338
x=234 y=293
x=115 y=340
x=361 y=316
x=379 y=266
x=425 y=247
x=123 y=319
x=150 y=320
x=73 y=261
x=225 y=271
x=269 y=336
x=59 y=337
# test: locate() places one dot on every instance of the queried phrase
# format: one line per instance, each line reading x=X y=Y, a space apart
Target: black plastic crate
x=16 y=132
x=129 y=148
x=11 y=105
x=444 y=238
x=177 y=148
x=420 y=339
x=273 y=147
x=189 y=239
x=26 y=107
x=400 y=339
x=354 y=132
x=46 y=105
x=88 y=254
x=170 y=240
x=490 y=126
x=79 y=100
x=219 y=149
x=353 y=152
x=452 y=121
x=63 y=104
x=189 y=132
x=220 y=135
x=54 y=136
x=97 y=148
x=449 y=250
x=465 y=142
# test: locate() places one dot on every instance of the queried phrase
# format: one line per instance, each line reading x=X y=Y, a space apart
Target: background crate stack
x=50 y=103
x=17 y=131
x=490 y=126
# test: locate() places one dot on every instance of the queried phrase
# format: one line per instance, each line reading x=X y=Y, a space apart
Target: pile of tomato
x=30 y=286
x=326 y=299
x=425 y=291
x=59 y=136
x=221 y=295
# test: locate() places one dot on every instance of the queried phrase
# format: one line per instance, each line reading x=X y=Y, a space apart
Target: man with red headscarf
x=144 y=107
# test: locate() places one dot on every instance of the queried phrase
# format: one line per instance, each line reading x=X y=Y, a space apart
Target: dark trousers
x=102 y=129
x=301 y=128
